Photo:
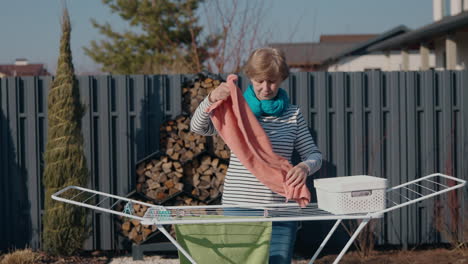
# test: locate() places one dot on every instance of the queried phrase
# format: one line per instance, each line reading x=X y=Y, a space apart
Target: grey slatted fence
x=397 y=125
x=120 y=127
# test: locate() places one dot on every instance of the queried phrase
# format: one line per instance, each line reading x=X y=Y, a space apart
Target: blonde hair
x=267 y=64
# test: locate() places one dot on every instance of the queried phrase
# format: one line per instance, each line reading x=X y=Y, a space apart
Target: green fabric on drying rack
x=217 y=243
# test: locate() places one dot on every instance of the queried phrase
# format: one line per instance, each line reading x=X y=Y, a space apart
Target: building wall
x=461 y=39
x=439 y=50
x=462 y=50
x=391 y=61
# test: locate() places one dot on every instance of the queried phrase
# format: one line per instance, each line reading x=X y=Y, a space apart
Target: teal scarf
x=273 y=107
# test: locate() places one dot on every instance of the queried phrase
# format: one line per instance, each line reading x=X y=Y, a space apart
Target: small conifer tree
x=65 y=225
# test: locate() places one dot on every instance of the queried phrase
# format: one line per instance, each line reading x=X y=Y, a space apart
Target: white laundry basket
x=351 y=194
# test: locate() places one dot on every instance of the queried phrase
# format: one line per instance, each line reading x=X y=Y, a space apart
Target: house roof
x=309 y=53
x=346 y=38
x=23 y=70
x=313 y=53
x=426 y=33
x=365 y=47
x=333 y=47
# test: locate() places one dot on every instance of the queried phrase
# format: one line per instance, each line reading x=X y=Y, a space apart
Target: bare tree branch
x=239 y=24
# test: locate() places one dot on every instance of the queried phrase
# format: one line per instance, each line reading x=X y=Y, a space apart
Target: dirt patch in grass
x=428 y=256
x=24 y=256
x=73 y=259
x=92 y=258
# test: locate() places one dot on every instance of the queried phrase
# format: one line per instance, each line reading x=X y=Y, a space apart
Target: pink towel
x=244 y=135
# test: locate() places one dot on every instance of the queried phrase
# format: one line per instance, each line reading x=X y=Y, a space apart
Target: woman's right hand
x=220 y=93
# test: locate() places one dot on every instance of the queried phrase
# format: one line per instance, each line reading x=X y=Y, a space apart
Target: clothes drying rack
x=397 y=197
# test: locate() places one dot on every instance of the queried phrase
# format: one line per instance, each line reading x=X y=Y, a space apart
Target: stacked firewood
x=220 y=148
x=185 y=200
x=159 y=179
x=206 y=176
x=194 y=94
x=178 y=142
x=190 y=168
x=132 y=228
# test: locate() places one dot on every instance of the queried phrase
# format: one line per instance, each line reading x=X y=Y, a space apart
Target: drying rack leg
x=175 y=243
x=351 y=239
x=324 y=242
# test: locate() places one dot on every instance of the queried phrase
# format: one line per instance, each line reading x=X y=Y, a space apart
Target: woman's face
x=265 y=89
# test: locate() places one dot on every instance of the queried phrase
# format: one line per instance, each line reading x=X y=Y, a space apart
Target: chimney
x=455 y=7
x=437 y=9
x=21 y=62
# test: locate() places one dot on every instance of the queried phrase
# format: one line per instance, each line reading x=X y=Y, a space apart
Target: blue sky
x=31 y=28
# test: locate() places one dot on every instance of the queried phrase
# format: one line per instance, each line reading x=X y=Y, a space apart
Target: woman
x=285 y=126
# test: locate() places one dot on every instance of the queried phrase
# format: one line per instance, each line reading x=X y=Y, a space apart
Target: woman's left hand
x=297 y=175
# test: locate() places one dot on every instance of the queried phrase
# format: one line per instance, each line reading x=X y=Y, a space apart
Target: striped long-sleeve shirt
x=286 y=132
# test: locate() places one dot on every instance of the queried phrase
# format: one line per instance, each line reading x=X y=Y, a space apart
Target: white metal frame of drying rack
x=397 y=197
